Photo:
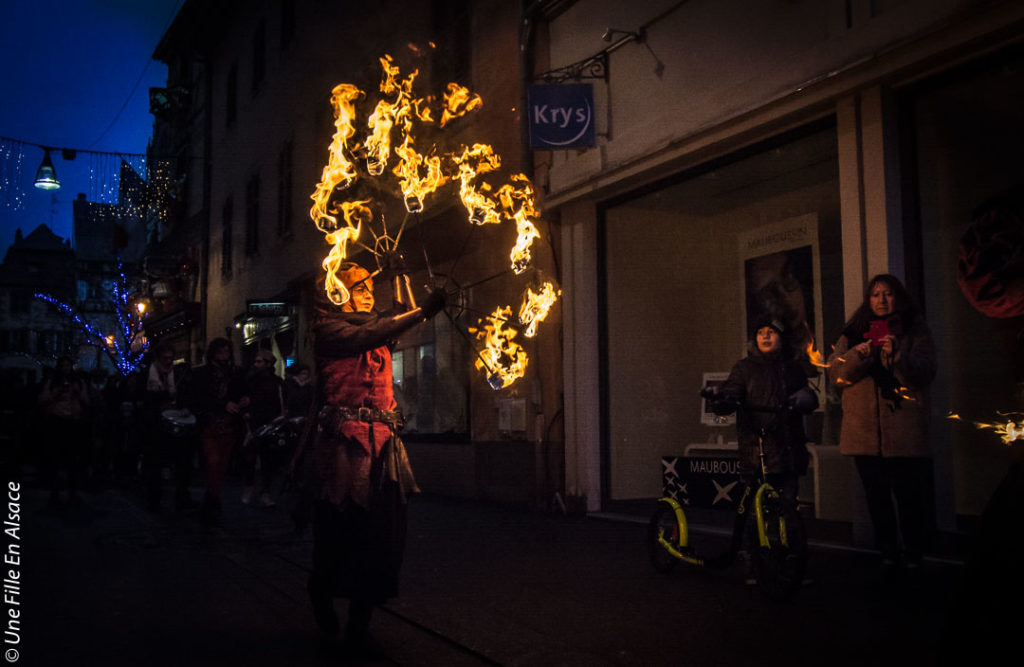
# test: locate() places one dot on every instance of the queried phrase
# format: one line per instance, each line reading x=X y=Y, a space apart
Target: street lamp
x=46 y=175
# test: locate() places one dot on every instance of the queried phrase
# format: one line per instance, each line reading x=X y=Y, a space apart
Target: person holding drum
x=266 y=395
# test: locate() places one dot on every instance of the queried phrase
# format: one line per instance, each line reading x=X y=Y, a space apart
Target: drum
x=178 y=423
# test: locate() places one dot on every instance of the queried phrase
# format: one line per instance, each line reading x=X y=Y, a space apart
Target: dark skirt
x=357 y=552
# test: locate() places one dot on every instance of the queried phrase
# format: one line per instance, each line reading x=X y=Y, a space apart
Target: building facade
x=33 y=334
x=745 y=154
x=785 y=151
x=246 y=119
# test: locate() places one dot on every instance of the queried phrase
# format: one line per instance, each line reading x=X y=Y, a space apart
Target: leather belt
x=364 y=414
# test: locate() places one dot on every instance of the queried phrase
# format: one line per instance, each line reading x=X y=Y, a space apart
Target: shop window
x=284 y=191
x=431 y=383
x=688 y=265
x=962 y=148
x=19 y=340
x=21 y=302
x=286 y=345
x=227 y=235
x=259 y=56
x=252 y=216
x=287 y=23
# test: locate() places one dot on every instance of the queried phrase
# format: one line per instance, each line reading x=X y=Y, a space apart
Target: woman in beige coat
x=882 y=365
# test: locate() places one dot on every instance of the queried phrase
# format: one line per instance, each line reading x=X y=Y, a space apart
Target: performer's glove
x=395 y=263
x=724 y=405
x=434 y=303
x=720 y=403
x=802 y=400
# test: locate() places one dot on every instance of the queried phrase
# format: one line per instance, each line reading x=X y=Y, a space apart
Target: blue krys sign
x=562 y=116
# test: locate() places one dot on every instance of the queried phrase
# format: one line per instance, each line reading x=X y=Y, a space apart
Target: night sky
x=75 y=74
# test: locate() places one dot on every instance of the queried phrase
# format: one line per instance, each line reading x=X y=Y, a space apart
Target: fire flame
x=814 y=356
x=479 y=159
x=339 y=172
x=355 y=213
x=1010 y=431
x=415 y=187
x=458 y=101
x=518 y=204
x=387 y=114
x=536 y=306
x=502 y=357
x=421 y=107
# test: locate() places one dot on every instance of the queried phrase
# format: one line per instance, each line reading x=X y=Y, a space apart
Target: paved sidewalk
x=108 y=583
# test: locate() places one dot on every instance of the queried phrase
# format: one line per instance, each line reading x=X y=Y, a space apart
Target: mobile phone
x=877 y=331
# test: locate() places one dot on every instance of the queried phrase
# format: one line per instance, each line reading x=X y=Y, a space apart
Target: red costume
x=354 y=372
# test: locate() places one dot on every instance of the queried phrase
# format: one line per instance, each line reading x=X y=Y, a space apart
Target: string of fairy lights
x=12 y=160
x=127 y=347
x=104 y=175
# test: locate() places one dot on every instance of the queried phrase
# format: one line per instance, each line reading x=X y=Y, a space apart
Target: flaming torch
x=355 y=213
x=479 y=159
x=504 y=359
x=339 y=173
x=458 y=101
x=518 y=204
x=415 y=187
x=386 y=115
x=536 y=306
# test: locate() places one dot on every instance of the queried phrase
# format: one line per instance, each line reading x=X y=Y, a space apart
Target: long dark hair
x=218 y=344
x=906 y=307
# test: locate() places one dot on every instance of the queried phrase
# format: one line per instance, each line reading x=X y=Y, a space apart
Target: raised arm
x=342 y=334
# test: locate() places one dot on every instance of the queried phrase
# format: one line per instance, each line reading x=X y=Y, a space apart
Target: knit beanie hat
x=769 y=321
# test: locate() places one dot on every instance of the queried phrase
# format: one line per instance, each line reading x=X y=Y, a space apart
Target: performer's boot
x=323 y=608
x=358 y=640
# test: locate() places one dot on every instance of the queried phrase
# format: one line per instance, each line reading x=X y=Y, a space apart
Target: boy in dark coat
x=769 y=377
x=769 y=391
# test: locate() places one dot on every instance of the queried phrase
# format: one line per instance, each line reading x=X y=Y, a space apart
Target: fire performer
x=362 y=468
x=883 y=364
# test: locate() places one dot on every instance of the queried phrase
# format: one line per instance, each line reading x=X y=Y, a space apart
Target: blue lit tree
x=125 y=347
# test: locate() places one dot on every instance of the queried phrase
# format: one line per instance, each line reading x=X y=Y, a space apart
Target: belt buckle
x=365 y=414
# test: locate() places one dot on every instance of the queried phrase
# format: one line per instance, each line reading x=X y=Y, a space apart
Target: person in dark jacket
x=362 y=470
x=64 y=405
x=170 y=439
x=266 y=403
x=218 y=399
x=768 y=390
x=769 y=377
